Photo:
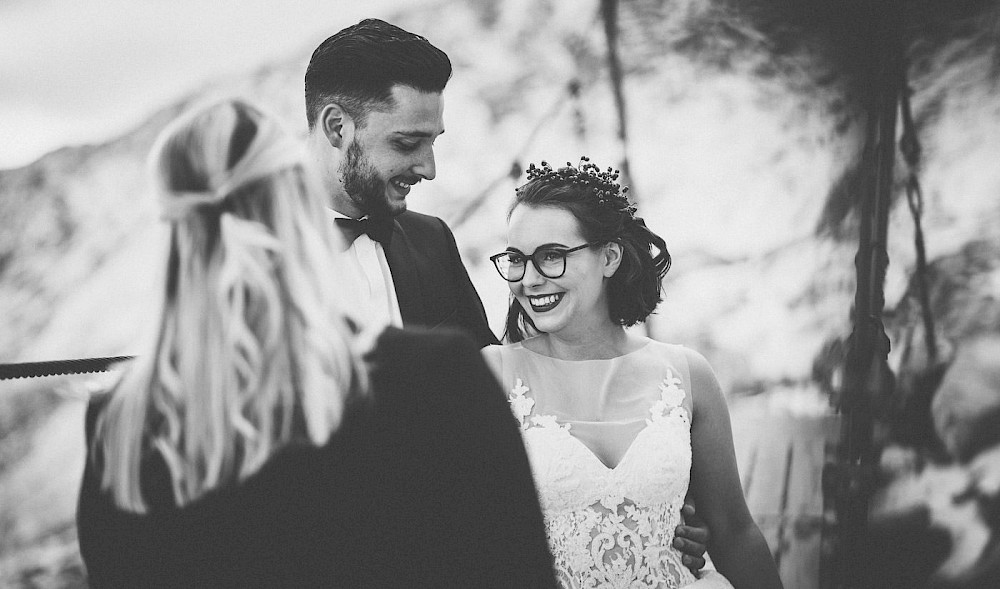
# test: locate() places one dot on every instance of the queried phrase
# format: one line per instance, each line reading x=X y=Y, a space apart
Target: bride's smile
x=543 y=303
x=569 y=297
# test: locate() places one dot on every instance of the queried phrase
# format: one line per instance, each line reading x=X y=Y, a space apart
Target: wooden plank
x=805 y=486
x=802 y=531
x=799 y=566
x=747 y=415
x=781 y=455
x=746 y=464
x=800 y=534
x=745 y=445
x=767 y=479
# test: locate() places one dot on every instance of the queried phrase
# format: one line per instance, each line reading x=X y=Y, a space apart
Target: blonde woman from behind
x=250 y=445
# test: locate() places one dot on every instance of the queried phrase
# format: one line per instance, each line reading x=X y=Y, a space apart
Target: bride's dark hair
x=605 y=215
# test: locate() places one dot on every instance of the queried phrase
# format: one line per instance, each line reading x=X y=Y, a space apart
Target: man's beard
x=362 y=184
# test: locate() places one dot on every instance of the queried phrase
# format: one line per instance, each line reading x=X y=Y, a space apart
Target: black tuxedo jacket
x=432 y=285
x=425 y=484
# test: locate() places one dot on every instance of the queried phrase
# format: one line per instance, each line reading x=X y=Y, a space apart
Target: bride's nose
x=532 y=277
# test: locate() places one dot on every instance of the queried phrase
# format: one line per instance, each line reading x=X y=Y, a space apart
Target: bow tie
x=379 y=230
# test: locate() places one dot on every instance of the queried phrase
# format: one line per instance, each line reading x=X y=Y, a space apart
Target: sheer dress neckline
x=640 y=349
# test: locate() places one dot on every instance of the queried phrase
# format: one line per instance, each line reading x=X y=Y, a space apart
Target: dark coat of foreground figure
x=425 y=484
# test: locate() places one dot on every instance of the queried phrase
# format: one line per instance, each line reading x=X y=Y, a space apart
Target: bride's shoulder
x=669 y=352
x=492 y=354
x=705 y=389
x=496 y=354
x=694 y=359
x=693 y=367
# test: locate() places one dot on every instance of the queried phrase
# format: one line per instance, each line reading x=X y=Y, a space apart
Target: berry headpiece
x=604 y=184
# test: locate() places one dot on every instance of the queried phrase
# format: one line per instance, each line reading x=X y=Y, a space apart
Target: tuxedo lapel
x=406 y=276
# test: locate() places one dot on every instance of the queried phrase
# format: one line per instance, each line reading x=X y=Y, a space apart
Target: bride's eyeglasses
x=549 y=261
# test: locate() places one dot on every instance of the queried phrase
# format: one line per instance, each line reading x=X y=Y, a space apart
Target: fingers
x=693 y=563
x=691 y=539
x=695 y=529
x=691 y=517
x=693 y=535
x=691 y=554
x=688 y=547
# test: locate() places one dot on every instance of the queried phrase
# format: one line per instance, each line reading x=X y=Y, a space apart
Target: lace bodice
x=609 y=526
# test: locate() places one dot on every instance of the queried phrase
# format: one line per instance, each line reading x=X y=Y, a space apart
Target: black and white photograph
x=561 y=294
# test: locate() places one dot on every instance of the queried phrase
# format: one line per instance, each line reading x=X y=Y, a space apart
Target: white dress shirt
x=375 y=298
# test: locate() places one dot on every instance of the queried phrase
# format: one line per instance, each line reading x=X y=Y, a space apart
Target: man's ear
x=612 y=258
x=336 y=125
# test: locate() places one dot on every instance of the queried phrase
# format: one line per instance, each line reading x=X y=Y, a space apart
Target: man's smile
x=403 y=185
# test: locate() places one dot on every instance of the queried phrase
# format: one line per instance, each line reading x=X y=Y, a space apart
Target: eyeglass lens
x=551 y=263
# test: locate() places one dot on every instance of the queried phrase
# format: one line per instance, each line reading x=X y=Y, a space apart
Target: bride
x=617 y=426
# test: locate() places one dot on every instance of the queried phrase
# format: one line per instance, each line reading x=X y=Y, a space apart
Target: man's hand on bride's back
x=691 y=538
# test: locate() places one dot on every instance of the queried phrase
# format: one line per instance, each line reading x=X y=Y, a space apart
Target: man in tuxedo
x=374 y=107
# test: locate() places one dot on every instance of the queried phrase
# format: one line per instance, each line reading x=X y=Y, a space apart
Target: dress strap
x=675 y=385
x=682 y=365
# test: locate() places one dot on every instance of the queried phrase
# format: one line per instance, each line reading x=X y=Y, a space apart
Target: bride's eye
x=551 y=255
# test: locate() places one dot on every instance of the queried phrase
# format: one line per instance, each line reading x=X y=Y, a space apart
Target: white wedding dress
x=610 y=447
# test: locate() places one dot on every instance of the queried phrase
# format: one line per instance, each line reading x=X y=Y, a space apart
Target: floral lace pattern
x=612 y=527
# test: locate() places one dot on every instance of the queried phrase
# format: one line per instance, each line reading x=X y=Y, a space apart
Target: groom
x=374 y=107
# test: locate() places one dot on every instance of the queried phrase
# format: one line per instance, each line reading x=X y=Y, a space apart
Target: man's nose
x=425 y=167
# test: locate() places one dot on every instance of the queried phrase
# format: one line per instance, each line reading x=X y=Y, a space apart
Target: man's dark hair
x=358 y=66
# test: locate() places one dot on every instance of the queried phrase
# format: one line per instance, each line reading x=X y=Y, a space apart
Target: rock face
x=963 y=289
x=955 y=503
x=966 y=407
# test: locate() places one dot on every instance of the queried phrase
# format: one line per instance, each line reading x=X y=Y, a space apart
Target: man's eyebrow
x=418 y=133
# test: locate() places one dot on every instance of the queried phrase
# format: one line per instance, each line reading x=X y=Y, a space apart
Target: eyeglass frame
x=565 y=252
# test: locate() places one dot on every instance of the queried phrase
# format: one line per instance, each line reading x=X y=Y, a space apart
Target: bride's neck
x=586 y=346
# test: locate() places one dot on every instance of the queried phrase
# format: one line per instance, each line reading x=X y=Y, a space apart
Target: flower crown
x=587 y=175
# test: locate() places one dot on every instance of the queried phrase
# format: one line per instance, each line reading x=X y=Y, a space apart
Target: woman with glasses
x=619 y=428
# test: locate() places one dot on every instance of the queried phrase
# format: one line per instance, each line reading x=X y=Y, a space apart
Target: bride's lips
x=546 y=302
